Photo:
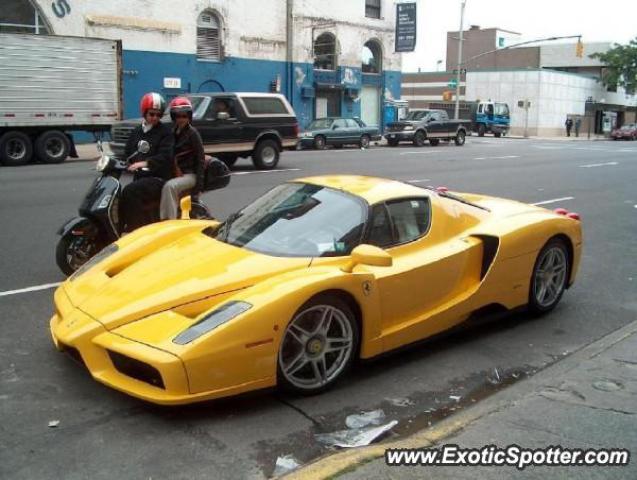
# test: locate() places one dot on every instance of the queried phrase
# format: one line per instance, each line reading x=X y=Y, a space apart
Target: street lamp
x=457 y=109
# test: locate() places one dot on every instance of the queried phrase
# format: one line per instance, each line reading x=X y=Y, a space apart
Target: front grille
x=120 y=133
x=136 y=369
x=396 y=128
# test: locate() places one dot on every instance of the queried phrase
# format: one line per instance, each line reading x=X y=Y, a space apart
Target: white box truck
x=51 y=86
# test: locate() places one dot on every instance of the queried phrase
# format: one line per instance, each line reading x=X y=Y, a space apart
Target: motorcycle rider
x=188 y=157
x=140 y=198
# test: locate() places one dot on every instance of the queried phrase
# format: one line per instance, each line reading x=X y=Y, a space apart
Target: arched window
x=372 y=57
x=208 y=36
x=19 y=16
x=325 y=52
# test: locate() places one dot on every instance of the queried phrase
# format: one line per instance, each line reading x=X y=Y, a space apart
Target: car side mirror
x=223 y=115
x=368 y=255
x=143 y=146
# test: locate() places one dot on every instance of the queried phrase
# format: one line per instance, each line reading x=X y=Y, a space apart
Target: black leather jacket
x=189 y=154
x=159 y=157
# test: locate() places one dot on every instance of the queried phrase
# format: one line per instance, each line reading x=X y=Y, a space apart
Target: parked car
x=338 y=132
x=233 y=126
x=422 y=125
x=626 y=132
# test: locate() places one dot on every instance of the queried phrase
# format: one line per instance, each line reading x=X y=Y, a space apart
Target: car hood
x=191 y=269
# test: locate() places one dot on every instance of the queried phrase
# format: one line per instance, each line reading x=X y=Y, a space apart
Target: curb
x=347 y=460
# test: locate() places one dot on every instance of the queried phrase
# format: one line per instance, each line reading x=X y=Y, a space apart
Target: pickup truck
x=422 y=125
x=233 y=126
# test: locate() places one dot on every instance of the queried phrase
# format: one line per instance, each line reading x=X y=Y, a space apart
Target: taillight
x=561 y=211
x=296 y=129
x=573 y=215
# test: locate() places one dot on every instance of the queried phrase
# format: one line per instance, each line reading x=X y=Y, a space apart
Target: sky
x=596 y=21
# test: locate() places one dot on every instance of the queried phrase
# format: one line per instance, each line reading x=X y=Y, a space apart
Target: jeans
x=171 y=193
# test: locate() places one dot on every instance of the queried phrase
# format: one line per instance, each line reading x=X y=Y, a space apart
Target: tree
x=621 y=64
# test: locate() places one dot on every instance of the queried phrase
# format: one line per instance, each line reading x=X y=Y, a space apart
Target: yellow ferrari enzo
x=293 y=288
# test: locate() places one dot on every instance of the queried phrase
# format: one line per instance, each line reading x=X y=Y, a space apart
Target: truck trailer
x=51 y=86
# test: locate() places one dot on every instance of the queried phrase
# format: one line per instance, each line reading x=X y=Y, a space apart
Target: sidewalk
x=587 y=400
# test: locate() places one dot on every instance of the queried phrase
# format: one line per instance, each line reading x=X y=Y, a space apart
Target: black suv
x=234 y=125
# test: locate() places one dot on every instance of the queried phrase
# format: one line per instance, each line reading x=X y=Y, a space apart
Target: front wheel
x=419 y=138
x=319 y=142
x=318 y=346
x=266 y=155
x=460 y=138
x=550 y=276
x=364 y=142
x=73 y=251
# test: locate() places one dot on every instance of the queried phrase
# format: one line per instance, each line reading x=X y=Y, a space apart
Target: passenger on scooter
x=188 y=160
x=140 y=199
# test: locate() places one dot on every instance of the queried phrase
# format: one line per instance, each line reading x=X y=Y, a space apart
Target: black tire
x=320 y=142
x=266 y=155
x=392 y=143
x=419 y=138
x=434 y=142
x=16 y=149
x=52 y=146
x=536 y=306
x=497 y=134
x=364 y=141
x=481 y=130
x=334 y=302
x=229 y=159
x=460 y=138
x=68 y=258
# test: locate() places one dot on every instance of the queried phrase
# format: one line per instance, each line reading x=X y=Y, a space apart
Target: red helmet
x=152 y=101
x=180 y=105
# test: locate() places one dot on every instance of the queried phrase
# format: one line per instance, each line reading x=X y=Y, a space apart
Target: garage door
x=370 y=105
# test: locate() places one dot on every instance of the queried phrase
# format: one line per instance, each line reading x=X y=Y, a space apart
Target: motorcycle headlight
x=101 y=255
x=212 y=320
x=409 y=127
x=102 y=163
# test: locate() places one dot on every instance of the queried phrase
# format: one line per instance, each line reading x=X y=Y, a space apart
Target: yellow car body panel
x=168 y=276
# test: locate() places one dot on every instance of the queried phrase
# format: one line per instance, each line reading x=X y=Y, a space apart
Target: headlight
x=102 y=163
x=409 y=127
x=217 y=317
x=307 y=134
x=101 y=255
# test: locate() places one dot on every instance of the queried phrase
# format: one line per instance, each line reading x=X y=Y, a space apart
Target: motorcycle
x=98 y=223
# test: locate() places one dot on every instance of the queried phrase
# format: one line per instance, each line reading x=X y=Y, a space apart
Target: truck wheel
x=497 y=134
x=266 y=155
x=460 y=138
x=481 y=130
x=228 y=158
x=364 y=143
x=319 y=142
x=419 y=138
x=52 y=146
x=15 y=149
x=434 y=142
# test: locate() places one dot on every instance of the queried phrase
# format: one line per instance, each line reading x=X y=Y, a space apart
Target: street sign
x=453 y=83
x=405 y=27
x=172 y=82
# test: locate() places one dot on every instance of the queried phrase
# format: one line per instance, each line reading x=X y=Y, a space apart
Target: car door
x=339 y=133
x=223 y=135
x=428 y=277
x=436 y=127
x=354 y=130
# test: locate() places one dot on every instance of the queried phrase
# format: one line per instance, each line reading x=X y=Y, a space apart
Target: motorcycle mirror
x=143 y=146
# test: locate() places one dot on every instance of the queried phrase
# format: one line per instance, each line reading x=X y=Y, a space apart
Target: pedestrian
x=188 y=157
x=140 y=198
x=578 y=124
x=569 y=125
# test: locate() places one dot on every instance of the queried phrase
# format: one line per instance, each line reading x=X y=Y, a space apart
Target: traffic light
x=579 y=49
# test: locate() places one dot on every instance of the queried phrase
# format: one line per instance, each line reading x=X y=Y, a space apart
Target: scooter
x=98 y=224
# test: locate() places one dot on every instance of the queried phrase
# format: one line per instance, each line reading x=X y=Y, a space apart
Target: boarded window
x=372 y=8
x=208 y=37
x=265 y=106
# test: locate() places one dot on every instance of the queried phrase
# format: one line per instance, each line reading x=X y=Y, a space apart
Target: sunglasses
x=153 y=114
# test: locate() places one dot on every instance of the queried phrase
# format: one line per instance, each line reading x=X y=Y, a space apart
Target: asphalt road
x=104 y=434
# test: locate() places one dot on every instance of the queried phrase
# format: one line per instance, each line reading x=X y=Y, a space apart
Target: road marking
x=267 y=171
x=418 y=153
x=592 y=165
x=497 y=158
x=46 y=286
x=419 y=180
x=554 y=200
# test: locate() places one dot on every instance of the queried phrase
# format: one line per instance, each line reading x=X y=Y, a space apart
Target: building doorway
x=370 y=105
x=328 y=103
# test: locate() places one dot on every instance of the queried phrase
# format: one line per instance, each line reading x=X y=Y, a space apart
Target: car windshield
x=297 y=219
x=320 y=124
x=416 y=115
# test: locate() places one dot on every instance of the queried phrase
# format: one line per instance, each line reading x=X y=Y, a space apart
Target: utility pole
x=289 y=50
x=457 y=109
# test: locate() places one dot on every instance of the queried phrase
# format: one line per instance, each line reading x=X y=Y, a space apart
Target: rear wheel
x=319 y=142
x=266 y=155
x=460 y=138
x=318 y=346
x=52 y=146
x=434 y=142
x=15 y=149
x=481 y=130
x=550 y=276
x=419 y=138
x=364 y=142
